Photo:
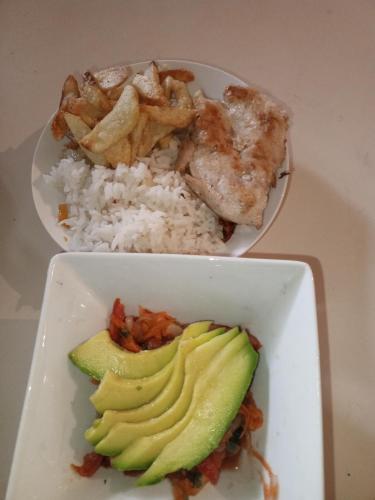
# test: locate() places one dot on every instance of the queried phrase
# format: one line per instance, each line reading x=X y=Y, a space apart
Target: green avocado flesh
x=159 y=405
x=212 y=417
x=143 y=451
x=122 y=434
x=100 y=353
x=118 y=393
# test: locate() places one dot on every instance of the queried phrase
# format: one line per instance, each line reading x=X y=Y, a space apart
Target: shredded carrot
x=147 y=331
x=252 y=414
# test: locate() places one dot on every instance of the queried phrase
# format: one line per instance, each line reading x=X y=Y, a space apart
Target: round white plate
x=48 y=152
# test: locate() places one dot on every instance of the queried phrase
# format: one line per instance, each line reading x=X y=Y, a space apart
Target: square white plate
x=275 y=299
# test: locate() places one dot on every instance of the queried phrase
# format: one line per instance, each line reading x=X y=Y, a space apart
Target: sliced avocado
x=161 y=403
x=122 y=434
x=118 y=393
x=143 y=451
x=210 y=421
x=100 y=353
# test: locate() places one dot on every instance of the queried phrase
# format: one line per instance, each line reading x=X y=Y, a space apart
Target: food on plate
x=239 y=145
x=180 y=74
x=186 y=167
x=115 y=125
x=148 y=86
x=79 y=129
x=177 y=406
x=111 y=78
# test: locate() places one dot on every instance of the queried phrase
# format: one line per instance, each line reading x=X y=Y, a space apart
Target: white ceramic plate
x=275 y=299
x=48 y=152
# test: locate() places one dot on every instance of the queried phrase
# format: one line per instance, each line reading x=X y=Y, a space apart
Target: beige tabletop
x=316 y=57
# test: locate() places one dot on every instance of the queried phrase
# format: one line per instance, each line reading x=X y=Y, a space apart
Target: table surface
x=318 y=58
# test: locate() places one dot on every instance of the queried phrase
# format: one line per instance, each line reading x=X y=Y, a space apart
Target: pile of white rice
x=146 y=207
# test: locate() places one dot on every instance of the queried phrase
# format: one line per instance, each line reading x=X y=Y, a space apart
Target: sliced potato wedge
x=152 y=133
x=81 y=107
x=182 y=94
x=167 y=87
x=96 y=97
x=116 y=125
x=149 y=87
x=110 y=78
x=119 y=153
x=181 y=74
x=70 y=89
x=79 y=129
x=175 y=117
x=115 y=93
x=137 y=134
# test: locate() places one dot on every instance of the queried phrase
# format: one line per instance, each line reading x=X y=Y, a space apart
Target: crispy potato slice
x=115 y=93
x=120 y=152
x=182 y=94
x=167 y=87
x=110 y=78
x=79 y=129
x=152 y=133
x=137 y=134
x=58 y=126
x=149 y=87
x=175 y=117
x=181 y=74
x=81 y=107
x=116 y=125
x=70 y=89
x=96 y=97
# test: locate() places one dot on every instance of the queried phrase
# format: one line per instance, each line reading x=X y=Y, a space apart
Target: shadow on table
x=16 y=348
x=25 y=247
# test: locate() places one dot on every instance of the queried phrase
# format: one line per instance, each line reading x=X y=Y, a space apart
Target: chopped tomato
x=91 y=463
x=117 y=320
x=252 y=414
x=254 y=342
x=211 y=467
x=128 y=343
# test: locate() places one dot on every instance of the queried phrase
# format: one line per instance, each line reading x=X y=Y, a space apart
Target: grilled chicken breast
x=239 y=145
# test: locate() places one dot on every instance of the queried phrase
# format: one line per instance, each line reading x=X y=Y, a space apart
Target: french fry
x=175 y=117
x=137 y=134
x=152 y=133
x=182 y=94
x=119 y=152
x=110 y=78
x=58 y=126
x=115 y=93
x=81 y=107
x=181 y=74
x=79 y=129
x=149 y=87
x=167 y=87
x=96 y=97
x=116 y=125
x=70 y=89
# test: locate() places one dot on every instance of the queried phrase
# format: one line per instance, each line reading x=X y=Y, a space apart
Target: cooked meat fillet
x=239 y=145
